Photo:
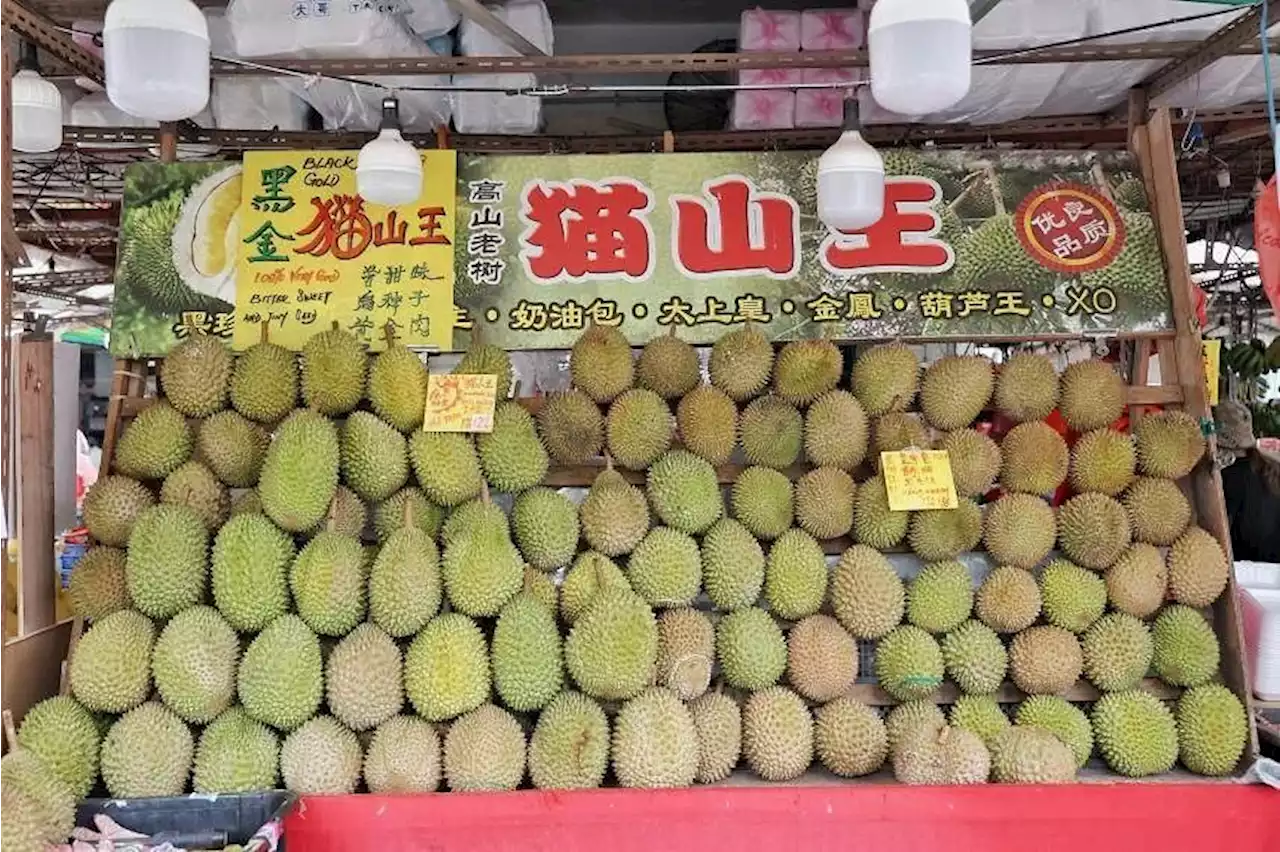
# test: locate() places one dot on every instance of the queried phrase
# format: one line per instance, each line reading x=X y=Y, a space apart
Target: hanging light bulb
x=389 y=169
x=37 y=107
x=850 y=178
x=156 y=56
x=921 y=54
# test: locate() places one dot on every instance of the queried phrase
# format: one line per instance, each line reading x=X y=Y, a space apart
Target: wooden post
x=6 y=346
x=35 y=487
x=1155 y=149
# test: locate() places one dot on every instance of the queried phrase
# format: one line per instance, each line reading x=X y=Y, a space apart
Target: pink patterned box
x=762 y=30
x=771 y=76
x=764 y=110
x=824 y=107
x=832 y=29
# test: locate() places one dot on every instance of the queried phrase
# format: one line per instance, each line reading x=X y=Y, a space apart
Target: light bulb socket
x=852 y=121
x=391 y=113
x=28 y=56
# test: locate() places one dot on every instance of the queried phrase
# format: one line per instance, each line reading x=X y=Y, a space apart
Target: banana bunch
x=1252 y=358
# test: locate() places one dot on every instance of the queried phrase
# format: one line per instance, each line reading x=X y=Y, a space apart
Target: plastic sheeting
x=527 y=17
x=478 y=112
x=1003 y=93
x=249 y=103
x=322 y=29
x=95 y=110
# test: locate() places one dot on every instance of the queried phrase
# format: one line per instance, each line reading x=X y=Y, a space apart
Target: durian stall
x=615 y=499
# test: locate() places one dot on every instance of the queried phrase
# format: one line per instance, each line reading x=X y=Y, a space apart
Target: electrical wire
x=565 y=89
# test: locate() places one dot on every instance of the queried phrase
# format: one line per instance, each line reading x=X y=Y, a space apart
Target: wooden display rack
x=32 y=663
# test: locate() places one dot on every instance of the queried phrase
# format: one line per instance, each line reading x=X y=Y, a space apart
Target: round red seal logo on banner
x=1069 y=227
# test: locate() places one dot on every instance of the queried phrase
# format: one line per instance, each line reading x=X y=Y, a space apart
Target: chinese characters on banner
x=918 y=480
x=312 y=252
x=707 y=242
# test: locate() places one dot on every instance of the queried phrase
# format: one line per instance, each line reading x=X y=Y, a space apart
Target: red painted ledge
x=1126 y=817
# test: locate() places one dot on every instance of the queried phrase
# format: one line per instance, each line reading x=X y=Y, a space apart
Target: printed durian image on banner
x=175 y=268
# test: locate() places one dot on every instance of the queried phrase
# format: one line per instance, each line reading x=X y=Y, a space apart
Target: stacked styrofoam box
x=481 y=112
x=249 y=102
x=325 y=29
x=828 y=29
x=96 y=110
x=775 y=31
x=767 y=31
x=1259 y=584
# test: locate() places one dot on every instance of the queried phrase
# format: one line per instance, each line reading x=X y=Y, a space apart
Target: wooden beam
x=35 y=481
x=1224 y=42
x=480 y=15
x=38 y=28
x=6 y=344
x=1243 y=133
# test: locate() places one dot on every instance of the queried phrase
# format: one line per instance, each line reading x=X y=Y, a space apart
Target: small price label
x=1212 y=364
x=917 y=480
x=460 y=403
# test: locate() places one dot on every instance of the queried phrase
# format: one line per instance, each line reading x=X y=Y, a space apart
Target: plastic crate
x=196 y=821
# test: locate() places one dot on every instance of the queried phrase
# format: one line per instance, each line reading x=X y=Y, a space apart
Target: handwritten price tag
x=918 y=480
x=460 y=403
x=1212 y=365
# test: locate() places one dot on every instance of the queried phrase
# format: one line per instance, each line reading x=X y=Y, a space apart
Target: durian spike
x=10 y=733
x=265 y=331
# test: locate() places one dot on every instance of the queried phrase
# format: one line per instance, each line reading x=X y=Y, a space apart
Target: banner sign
x=313 y=252
x=972 y=245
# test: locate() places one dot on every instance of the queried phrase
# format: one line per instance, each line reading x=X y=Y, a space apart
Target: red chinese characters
x=1070 y=227
x=584 y=230
x=741 y=231
x=339 y=227
x=904 y=240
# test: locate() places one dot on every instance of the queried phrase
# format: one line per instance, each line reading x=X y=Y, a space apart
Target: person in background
x=1250 y=486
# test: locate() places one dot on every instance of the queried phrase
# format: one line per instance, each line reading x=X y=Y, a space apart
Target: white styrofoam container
x=1259 y=584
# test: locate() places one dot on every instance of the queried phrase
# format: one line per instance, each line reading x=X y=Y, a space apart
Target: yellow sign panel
x=460 y=403
x=1212 y=365
x=312 y=252
x=918 y=479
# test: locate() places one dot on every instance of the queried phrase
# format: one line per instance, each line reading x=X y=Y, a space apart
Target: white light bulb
x=850 y=179
x=37 y=113
x=389 y=168
x=156 y=57
x=921 y=54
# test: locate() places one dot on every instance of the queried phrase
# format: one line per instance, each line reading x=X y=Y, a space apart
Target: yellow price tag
x=918 y=480
x=460 y=403
x=1212 y=364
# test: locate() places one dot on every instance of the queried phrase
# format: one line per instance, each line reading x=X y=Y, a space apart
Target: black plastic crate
x=193 y=822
